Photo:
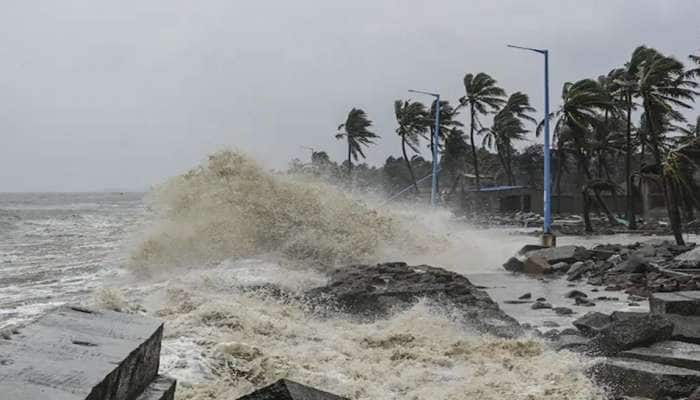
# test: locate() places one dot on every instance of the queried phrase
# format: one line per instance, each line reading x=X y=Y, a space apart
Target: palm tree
x=413 y=124
x=508 y=126
x=356 y=130
x=664 y=84
x=482 y=97
x=578 y=115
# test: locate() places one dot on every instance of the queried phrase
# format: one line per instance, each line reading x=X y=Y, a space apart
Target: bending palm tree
x=355 y=130
x=575 y=120
x=482 y=96
x=413 y=124
x=508 y=126
x=664 y=84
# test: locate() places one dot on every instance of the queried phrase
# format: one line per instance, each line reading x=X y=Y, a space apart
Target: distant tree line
x=614 y=131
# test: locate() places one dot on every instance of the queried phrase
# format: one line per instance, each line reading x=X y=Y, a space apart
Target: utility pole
x=548 y=238
x=436 y=139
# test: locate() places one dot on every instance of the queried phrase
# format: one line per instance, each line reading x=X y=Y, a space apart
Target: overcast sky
x=121 y=94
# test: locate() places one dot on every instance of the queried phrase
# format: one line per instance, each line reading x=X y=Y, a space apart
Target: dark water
x=58 y=247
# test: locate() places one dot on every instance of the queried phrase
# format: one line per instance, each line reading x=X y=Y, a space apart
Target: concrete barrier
x=76 y=353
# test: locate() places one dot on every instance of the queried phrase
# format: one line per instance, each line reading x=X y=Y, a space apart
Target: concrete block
x=285 y=389
x=80 y=354
x=624 y=376
x=678 y=354
x=162 y=388
x=681 y=303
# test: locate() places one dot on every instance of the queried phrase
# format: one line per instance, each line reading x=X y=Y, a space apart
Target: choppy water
x=59 y=247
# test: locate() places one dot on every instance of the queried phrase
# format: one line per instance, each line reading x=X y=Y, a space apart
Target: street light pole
x=548 y=238
x=436 y=138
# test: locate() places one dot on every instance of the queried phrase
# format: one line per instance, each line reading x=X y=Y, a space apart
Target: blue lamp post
x=436 y=138
x=547 y=237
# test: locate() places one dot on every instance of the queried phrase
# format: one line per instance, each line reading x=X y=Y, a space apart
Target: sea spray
x=230 y=207
x=249 y=339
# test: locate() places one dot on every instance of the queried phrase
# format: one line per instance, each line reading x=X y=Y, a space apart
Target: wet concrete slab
x=630 y=377
x=680 y=303
x=162 y=388
x=75 y=353
x=505 y=286
x=678 y=354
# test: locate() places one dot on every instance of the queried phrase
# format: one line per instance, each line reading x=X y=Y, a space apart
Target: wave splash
x=229 y=207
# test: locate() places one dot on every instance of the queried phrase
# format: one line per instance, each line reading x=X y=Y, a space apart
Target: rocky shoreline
x=654 y=355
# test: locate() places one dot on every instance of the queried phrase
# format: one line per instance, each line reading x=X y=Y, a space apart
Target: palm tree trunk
x=408 y=163
x=474 y=156
x=499 y=152
x=670 y=197
x=349 y=159
x=632 y=222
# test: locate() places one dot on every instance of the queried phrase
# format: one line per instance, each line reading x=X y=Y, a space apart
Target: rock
x=538 y=305
x=625 y=315
x=75 y=353
x=692 y=256
x=582 y=301
x=572 y=294
x=377 y=291
x=592 y=323
x=536 y=265
x=526 y=296
x=578 y=269
x=517 y=263
x=630 y=333
x=285 y=389
x=541 y=299
x=636 y=298
x=550 y=324
x=517 y=301
x=572 y=342
x=623 y=376
x=514 y=265
x=681 y=303
x=567 y=254
x=563 y=310
x=162 y=388
x=634 y=264
x=562 y=267
x=678 y=354
x=551 y=334
x=606 y=298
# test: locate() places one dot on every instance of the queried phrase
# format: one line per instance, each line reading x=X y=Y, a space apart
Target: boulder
x=285 y=389
x=567 y=254
x=630 y=333
x=624 y=376
x=592 y=323
x=536 y=265
x=377 y=291
x=517 y=262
